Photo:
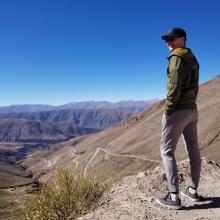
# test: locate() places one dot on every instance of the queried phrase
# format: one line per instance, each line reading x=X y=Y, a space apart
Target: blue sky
x=59 y=51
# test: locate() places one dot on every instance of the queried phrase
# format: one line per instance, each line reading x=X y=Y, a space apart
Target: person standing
x=180 y=117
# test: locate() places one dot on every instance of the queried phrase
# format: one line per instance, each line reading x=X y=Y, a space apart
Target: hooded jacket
x=182 y=83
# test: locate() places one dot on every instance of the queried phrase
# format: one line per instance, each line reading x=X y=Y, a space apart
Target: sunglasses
x=170 y=40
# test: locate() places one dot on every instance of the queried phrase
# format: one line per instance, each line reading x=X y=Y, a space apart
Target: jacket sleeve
x=174 y=84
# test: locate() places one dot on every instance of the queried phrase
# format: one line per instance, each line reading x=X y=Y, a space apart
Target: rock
x=140 y=175
x=150 y=199
x=163 y=177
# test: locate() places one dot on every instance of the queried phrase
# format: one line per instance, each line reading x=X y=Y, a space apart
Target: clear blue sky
x=59 y=51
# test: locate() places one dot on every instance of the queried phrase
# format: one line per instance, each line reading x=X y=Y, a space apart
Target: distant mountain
x=97 y=118
x=55 y=126
x=26 y=108
x=35 y=131
x=130 y=106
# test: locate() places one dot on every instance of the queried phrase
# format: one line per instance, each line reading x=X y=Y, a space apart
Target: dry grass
x=67 y=196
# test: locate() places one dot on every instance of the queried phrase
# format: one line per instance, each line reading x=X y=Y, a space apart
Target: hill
x=124 y=149
x=133 y=145
x=36 y=131
x=51 y=127
x=93 y=118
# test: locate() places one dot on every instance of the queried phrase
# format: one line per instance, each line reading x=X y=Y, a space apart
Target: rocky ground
x=134 y=197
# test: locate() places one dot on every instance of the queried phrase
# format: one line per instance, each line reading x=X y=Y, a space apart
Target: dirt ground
x=134 y=197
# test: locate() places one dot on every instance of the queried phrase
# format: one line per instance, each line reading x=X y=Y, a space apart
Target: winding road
x=104 y=149
x=107 y=152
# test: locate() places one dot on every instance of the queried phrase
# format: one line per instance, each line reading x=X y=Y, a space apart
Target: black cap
x=172 y=33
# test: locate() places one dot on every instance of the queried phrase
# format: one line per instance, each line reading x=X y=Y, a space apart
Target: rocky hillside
x=126 y=149
x=36 y=131
x=54 y=126
x=133 y=145
x=134 y=197
x=100 y=118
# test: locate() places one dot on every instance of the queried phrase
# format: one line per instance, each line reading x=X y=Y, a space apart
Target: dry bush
x=65 y=197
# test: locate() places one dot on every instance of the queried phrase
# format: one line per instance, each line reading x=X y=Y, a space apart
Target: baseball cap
x=172 y=33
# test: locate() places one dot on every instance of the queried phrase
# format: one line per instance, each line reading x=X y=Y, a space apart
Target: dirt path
x=85 y=173
x=127 y=155
x=107 y=152
x=75 y=159
x=51 y=162
x=135 y=196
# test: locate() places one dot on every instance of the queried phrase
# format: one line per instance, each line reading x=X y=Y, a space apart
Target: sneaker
x=167 y=201
x=193 y=196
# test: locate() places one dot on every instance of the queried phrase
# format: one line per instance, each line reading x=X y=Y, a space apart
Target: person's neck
x=177 y=48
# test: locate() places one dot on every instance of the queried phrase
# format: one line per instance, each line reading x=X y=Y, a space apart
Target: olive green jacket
x=182 y=83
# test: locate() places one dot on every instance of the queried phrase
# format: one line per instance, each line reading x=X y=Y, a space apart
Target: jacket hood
x=180 y=51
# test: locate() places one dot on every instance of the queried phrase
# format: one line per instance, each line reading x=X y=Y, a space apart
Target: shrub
x=65 y=197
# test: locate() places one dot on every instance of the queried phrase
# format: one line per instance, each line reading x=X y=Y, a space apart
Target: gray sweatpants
x=181 y=122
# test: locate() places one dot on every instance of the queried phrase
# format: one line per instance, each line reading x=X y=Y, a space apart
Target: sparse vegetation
x=65 y=197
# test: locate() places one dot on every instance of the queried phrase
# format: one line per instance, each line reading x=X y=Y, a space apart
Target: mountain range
x=133 y=145
x=124 y=149
x=129 y=106
x=57 y=125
